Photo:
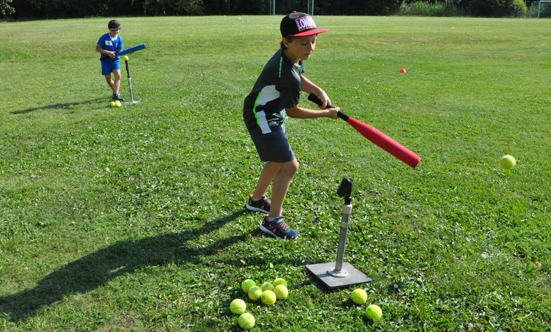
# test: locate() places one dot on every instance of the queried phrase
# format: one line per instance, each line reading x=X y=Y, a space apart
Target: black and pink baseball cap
x=299 y=24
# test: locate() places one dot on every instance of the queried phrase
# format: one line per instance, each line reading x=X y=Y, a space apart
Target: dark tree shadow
x=66 y=106
x=97 y=269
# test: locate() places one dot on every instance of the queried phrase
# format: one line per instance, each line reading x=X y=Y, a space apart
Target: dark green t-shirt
x=277 y=88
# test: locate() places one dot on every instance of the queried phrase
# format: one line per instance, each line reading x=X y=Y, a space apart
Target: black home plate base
x=355 y=276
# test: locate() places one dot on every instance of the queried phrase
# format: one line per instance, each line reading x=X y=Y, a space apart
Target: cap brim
x=309 y=32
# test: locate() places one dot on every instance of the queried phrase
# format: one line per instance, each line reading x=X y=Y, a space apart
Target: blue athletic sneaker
x=262 y=205
x=116 y=97
x=278 y=229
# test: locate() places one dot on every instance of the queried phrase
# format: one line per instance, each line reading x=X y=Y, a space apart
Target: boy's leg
x=258 y=200
x=274 y=224
x=110 y=82
x=280 y=167
x=267 y=175
x=281 y=184
x=117 y=82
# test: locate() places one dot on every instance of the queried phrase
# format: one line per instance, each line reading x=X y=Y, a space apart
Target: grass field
x=132 y=219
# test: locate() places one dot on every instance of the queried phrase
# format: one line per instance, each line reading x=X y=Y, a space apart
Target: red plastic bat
x=377 y=137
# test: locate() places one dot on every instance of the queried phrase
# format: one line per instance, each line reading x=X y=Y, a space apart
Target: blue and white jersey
x=109 y=44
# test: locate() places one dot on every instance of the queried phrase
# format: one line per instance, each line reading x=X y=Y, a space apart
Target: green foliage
x=74 y=8
x=287 y=6
x=354 y=7
x=544 y=10
x=132 y=219
x=236 y=7
x=480 y=8
x=5 y=7
x=497 y=8
x=84 y=8
x=172 y=7
x=423 y=8
x=518 y=9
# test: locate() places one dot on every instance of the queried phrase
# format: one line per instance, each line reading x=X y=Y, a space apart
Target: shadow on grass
x=125 y=257
x=66 y=106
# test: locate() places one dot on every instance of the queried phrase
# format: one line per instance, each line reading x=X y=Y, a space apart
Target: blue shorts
x=107 y=66
x=273 y=147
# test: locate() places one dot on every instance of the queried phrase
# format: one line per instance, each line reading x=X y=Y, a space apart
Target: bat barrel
x=377 y=137
x=386 y=143
x=132 y=49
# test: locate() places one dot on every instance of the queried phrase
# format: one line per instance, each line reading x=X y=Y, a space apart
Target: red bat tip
x=386 y=143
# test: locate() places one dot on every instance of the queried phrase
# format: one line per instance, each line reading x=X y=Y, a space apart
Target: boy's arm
x=305 y=113
x=106 y=52
x=309 y=87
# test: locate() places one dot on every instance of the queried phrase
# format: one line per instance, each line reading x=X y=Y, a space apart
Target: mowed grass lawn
x=132 y=219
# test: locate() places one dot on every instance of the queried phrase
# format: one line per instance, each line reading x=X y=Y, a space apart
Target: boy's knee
x=291 y=167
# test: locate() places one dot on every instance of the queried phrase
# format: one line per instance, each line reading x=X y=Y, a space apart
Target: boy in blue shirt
x=276 y=94
x=108 y=45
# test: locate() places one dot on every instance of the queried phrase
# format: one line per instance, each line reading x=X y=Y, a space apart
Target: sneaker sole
x=252 y=208
x=267 y=231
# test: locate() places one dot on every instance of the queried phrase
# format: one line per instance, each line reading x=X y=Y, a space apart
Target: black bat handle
x=313 y=98
x=343 y=116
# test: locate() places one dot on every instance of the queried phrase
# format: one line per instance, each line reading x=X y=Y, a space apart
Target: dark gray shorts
x=273 y=147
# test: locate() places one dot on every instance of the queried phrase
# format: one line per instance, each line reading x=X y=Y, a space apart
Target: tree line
x=52 y=9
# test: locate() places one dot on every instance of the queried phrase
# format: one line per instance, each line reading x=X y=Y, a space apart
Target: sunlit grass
x=132 y=218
